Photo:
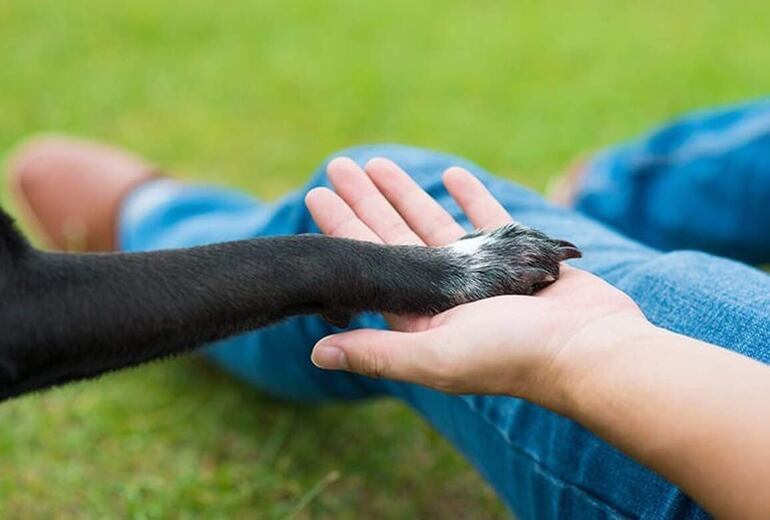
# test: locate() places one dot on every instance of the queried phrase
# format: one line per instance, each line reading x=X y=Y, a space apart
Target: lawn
x=253 y=95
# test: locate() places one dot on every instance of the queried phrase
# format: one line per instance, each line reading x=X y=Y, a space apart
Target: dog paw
x=512 y=259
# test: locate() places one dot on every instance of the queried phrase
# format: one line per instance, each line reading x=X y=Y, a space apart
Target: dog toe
x=512 y=259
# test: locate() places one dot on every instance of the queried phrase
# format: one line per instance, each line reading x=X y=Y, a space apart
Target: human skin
x=696 y=413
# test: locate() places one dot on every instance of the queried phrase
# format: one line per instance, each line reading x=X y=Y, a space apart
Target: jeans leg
x=542 y=465
x=701 y=182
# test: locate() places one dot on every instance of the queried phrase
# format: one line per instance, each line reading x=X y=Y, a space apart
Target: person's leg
x=543 y=465
x=700 y=182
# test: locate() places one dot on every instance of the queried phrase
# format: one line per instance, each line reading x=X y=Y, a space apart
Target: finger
x=421 y=212
x=472 y=196
x=378 y=353
x=363 y=197
x=334 y=217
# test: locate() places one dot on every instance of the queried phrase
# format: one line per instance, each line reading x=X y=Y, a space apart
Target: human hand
x=516 y=345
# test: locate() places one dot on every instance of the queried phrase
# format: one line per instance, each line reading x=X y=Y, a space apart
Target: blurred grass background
x=253 y=95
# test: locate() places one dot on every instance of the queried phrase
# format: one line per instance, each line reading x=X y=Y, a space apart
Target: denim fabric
x=541 y=464
x=701 y=182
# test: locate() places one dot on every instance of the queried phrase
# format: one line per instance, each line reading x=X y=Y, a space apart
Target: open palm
x=506 y=344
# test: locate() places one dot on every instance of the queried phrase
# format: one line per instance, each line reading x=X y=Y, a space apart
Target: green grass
x=253 y=95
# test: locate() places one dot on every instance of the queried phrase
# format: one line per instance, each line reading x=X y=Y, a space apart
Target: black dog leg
x=65 y=317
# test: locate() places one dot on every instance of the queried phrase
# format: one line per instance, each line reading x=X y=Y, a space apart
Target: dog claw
x=568 y=250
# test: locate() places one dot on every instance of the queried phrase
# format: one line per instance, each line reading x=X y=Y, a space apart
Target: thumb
x=376 y=353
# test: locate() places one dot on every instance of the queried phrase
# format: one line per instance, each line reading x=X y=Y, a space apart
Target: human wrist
x=588 y=355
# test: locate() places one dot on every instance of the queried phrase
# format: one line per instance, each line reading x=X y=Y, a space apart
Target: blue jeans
x=541 y=464
x=701 y=182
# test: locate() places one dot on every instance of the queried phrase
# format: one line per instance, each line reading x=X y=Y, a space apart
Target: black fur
x=65 y=317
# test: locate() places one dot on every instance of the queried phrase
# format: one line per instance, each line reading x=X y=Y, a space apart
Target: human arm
x=696 y=413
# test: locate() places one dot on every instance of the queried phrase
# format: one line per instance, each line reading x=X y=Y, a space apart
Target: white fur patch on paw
x=470 y=246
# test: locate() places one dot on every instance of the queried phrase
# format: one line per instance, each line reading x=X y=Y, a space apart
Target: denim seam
x=546 y=472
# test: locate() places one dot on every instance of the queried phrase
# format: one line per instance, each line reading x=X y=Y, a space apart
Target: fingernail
x=330 y=358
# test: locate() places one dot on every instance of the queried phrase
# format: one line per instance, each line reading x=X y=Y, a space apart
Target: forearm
x=697 y=414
